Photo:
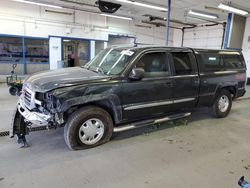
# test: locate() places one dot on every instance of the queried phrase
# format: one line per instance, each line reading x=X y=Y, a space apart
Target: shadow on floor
x=197 y=115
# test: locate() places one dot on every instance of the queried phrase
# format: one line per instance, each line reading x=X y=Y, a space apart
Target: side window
x=182 y=63
x=155 y=64
x=233 y=61
x=212 y=61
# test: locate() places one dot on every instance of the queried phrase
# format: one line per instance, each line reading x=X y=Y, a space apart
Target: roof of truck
x=147 y=47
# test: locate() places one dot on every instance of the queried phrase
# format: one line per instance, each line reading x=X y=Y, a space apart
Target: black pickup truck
x=127 y=87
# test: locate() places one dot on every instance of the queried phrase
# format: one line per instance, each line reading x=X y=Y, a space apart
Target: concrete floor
x=206 y=153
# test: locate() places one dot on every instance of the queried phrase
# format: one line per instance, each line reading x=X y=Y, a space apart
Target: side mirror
x=137 y=74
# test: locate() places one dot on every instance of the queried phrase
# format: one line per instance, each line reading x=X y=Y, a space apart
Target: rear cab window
x=212 y=61
x=233 y=61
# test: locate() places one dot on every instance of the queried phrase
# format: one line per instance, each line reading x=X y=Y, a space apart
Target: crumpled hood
x=49 y=80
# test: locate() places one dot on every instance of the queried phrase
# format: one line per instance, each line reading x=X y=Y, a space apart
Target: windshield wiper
x=84 y=67
x=100 y=70
x=96 y=69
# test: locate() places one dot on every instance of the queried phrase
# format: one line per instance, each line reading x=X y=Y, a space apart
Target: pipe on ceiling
x=168 y=21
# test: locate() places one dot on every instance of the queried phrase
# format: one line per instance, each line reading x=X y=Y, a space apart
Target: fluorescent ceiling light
x=201 y=14
x=232 y=9
x=119 y=17
x=39 y=4
x=144 y=5
x=198 y=18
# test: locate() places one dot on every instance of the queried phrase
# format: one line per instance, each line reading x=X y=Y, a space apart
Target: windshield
x=111 y=61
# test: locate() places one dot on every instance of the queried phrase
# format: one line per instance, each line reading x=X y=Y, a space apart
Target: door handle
x=196 y=82
x=169 y=83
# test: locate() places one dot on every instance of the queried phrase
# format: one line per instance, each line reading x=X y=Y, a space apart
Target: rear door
x=186 y=79
x=153 y=95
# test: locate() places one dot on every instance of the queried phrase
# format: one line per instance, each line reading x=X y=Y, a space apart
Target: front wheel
x=88 y=127
x=222 y=104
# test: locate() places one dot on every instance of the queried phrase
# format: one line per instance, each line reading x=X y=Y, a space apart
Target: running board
x=150 y=122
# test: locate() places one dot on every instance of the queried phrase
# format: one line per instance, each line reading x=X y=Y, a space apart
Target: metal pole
x=168 y=21
x=24 y=56
x=183 y=34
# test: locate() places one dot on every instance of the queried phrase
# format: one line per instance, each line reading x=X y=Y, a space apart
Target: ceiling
x=179 y=8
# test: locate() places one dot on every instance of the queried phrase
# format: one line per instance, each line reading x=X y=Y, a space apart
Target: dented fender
x=107 y=96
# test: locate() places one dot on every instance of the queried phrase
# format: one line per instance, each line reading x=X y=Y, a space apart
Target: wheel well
x=105 y=105
x=232 y=90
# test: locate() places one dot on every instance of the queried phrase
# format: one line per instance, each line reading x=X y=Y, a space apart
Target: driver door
x=152 y=95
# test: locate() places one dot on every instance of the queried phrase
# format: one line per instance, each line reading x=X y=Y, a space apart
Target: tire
x=88 y=127
x=222 y=104
x=13 y=91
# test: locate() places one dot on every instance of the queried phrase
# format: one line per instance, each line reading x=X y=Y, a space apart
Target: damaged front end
x=35 y=109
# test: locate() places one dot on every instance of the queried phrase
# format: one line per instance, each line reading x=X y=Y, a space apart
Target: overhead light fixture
x=202 y=19
x=232 y=9
x=114 y=16
x=59 y=12
x=202 y=14
x=143 y=26
x=144 y=5
x=195 y=18
x=39 y=4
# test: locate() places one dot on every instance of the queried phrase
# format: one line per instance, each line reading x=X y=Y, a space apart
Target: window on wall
x=75 y=52
x=36 y=51
x=11 y=50
x=83 y=52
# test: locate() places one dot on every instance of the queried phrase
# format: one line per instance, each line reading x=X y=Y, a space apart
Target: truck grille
x=27 y=98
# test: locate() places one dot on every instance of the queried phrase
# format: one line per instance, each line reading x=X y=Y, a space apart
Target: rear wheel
x=88 y=127
x=222 y=104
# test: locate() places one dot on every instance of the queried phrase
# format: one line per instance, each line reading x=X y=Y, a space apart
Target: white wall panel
x=92 y=49
x=204 y=37
x=55 y=48
x=246 y=46
x=30 y=20
x=177 y=37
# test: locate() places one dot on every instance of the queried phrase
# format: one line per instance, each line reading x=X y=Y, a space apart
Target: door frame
x=155 y=103
x=76 y=39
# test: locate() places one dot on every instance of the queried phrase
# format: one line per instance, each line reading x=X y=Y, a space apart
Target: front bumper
x=36 y=118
